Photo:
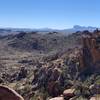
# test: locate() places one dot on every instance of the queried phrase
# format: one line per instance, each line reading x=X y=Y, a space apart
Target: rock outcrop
x=7 y=93
x=91 y=49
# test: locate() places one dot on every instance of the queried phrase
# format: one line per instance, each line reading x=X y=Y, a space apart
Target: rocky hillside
x=52 y=66
x=42 y=42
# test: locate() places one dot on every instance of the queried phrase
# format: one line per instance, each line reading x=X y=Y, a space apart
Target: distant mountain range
x=80 y=28
x=5 y=31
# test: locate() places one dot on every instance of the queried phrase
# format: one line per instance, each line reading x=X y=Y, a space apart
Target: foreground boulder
x=7 y=93
x=96 y=97
x=57 y=98
x=69 y=93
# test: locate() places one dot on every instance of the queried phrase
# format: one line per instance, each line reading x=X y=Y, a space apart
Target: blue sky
x=59 y=14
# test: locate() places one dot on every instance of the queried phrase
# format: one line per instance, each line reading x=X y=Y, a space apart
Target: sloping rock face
x=91 y=51
x=7 y=93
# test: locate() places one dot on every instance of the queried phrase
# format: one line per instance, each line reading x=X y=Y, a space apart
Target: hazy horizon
x=47 y=27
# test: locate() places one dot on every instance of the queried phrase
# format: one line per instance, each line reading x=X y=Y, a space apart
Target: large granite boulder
x=7 y=93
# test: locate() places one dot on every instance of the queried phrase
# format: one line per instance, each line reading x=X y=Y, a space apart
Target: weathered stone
x=73 y=98
x=69 y=93
x=57 y=98
x=7 y=93
x=96 y=97
x=91 y=51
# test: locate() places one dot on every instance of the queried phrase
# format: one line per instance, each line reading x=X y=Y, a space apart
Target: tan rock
x=7 y=93
x=57 y=98
x=92 y=98
x=97 y=97
x=69 y=93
